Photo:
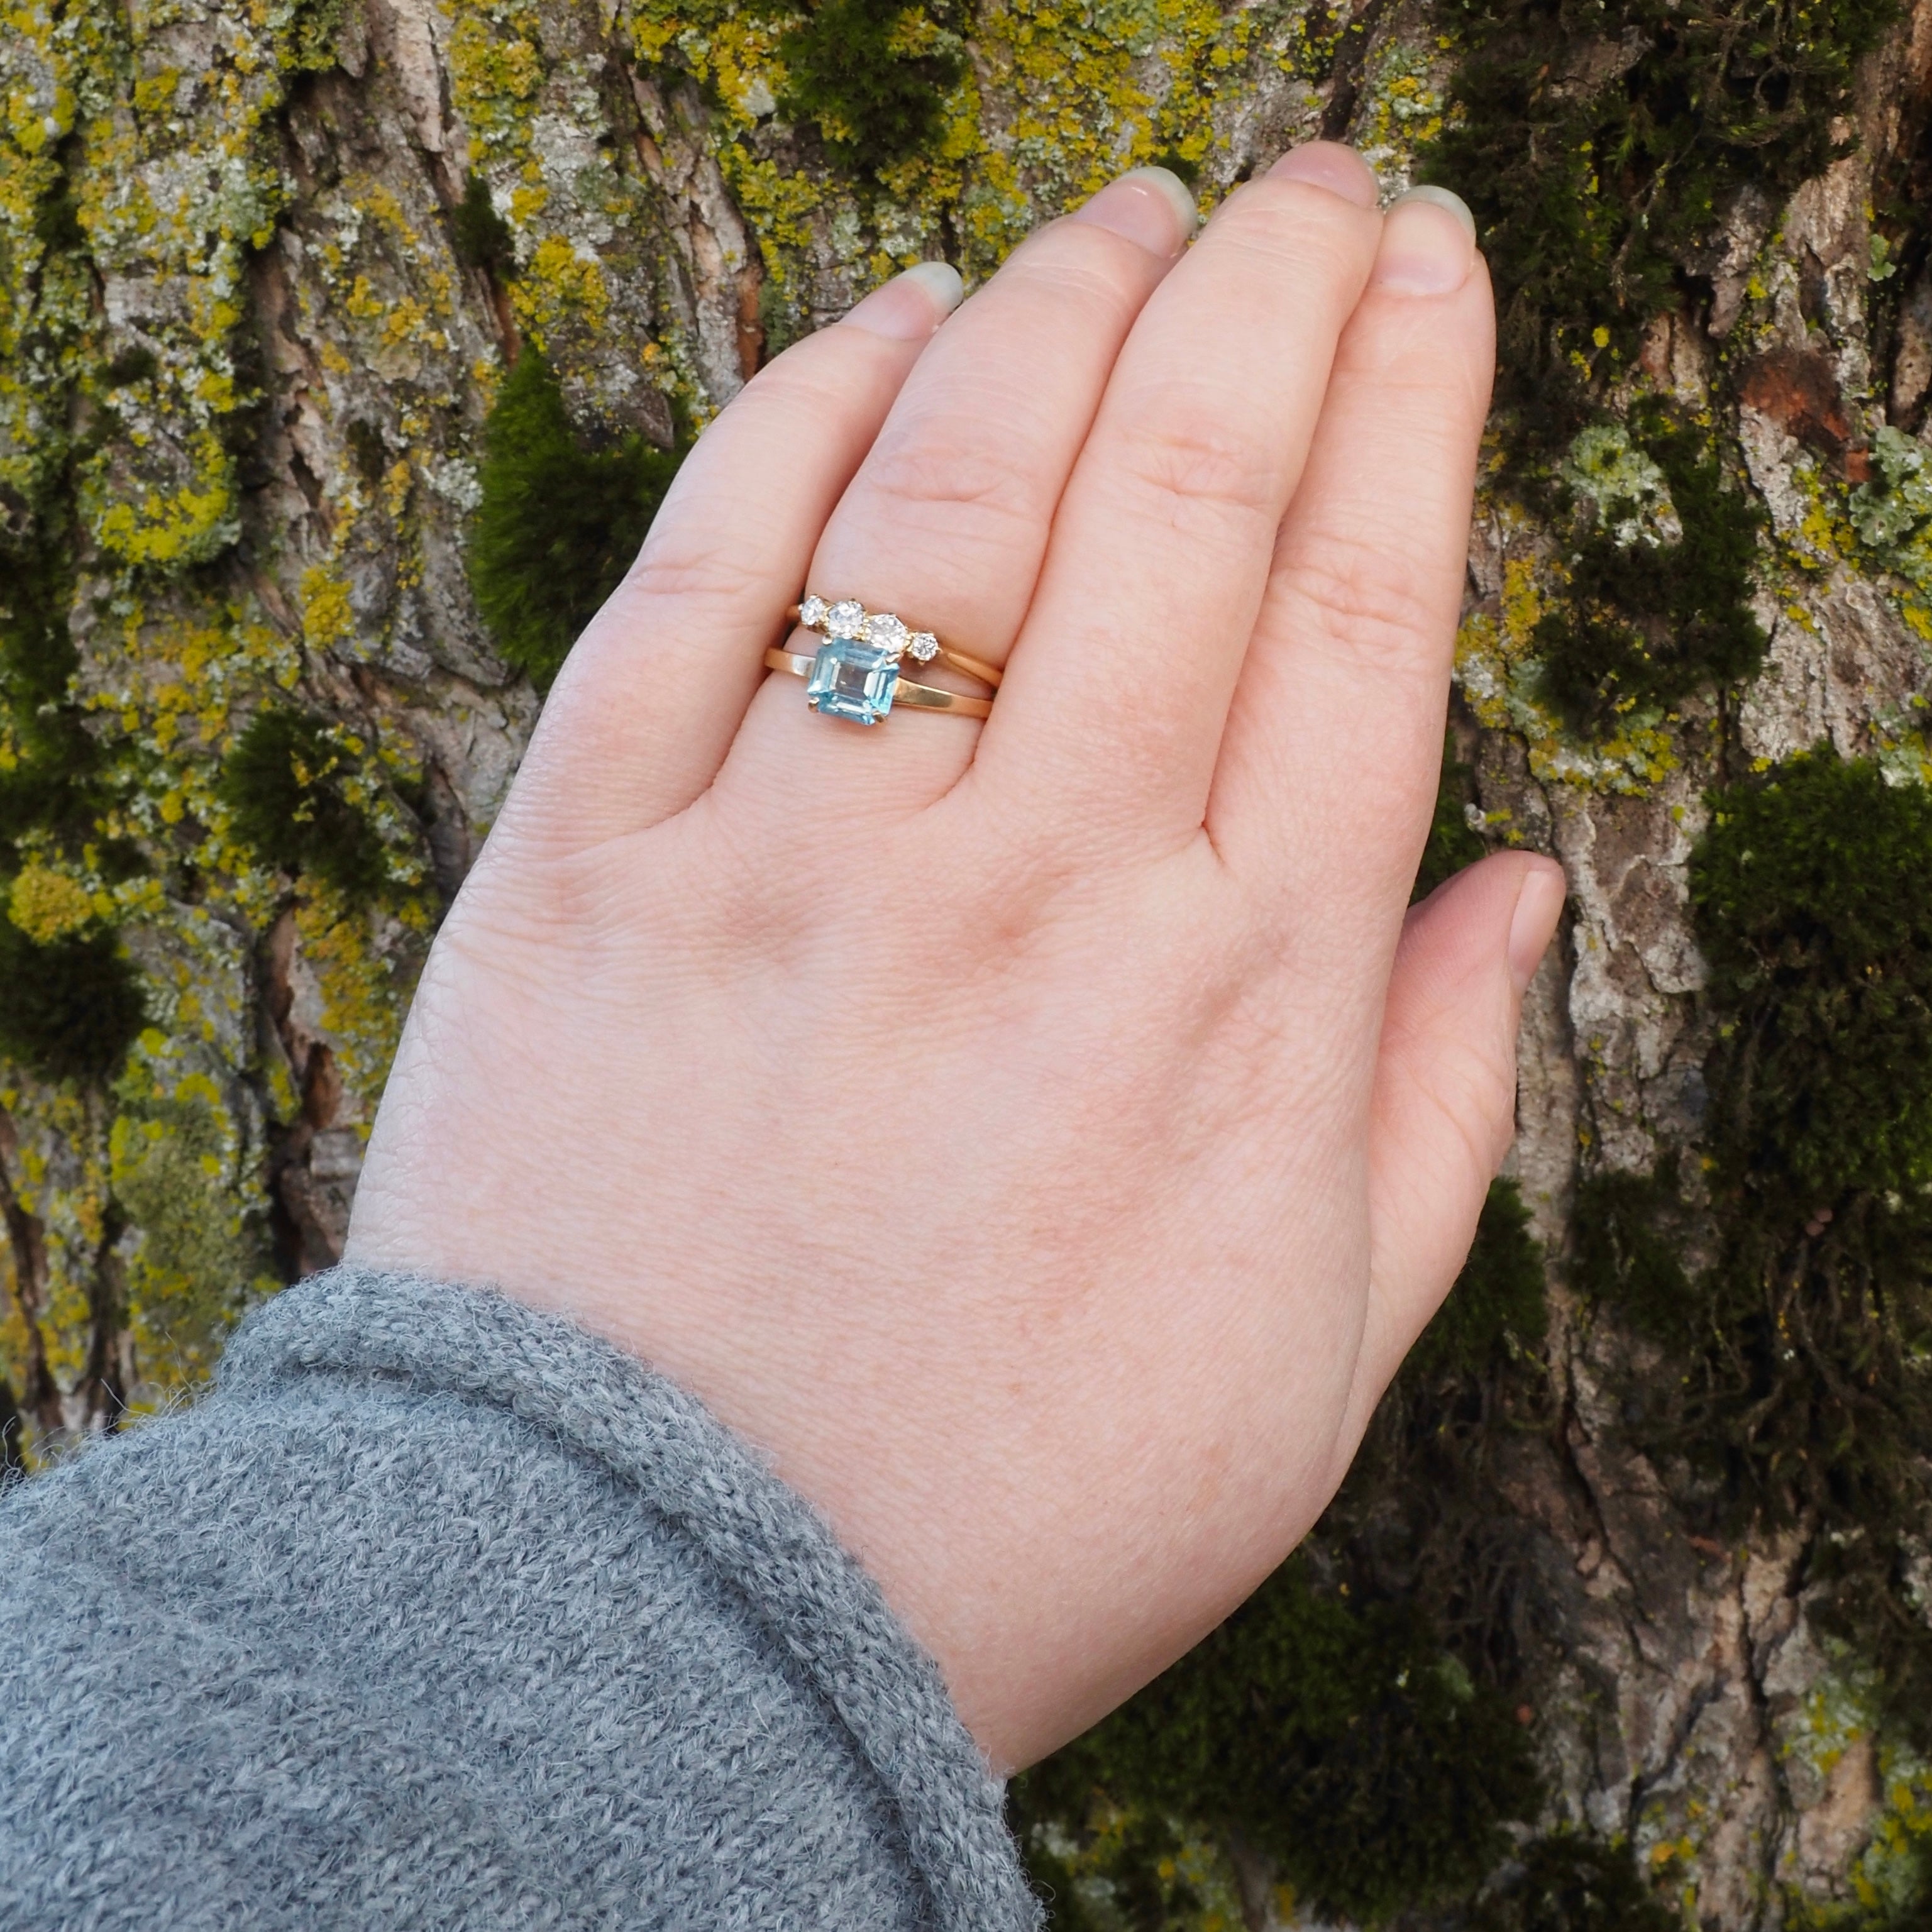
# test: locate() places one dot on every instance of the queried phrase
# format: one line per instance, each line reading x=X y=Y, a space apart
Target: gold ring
x=855 y=672
x=920 y=697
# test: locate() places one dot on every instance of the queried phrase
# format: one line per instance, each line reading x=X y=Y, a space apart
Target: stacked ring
x=855 y=673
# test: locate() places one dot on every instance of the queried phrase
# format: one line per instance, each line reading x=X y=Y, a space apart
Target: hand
x=1044 y=1139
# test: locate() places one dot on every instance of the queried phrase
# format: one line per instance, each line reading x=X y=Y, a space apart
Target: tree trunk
x=265 y=273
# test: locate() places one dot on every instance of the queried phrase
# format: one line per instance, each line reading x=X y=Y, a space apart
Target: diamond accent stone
x=852 y=680
x=844 y=618
x=923 y=646
x=811 y=613
x=886 y=632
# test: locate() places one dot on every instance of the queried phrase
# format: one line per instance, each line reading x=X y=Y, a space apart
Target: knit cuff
x=599 y=1403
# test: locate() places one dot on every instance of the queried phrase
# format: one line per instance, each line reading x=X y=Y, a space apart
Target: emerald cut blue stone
x=852 y=678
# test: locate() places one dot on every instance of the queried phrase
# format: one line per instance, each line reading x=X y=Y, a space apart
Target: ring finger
x=946 y=521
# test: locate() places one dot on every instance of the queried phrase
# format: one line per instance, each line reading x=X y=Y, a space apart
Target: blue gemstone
x=851 y=679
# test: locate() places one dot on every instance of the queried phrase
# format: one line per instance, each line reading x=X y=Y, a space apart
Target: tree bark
x=246 y=339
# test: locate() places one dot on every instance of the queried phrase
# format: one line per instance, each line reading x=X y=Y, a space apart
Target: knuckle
x=1193 y=466
x=1367 y=594
x=949 y=467
x=684 y=561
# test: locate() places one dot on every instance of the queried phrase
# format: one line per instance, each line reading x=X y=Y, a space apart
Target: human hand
x=1043 y=1138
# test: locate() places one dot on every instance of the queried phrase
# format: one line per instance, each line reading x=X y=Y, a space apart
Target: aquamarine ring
x=855 y=673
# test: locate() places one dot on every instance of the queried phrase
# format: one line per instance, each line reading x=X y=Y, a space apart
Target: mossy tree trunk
x=1603 y=1629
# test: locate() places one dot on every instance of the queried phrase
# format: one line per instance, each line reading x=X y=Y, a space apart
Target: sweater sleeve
x=440 y=1612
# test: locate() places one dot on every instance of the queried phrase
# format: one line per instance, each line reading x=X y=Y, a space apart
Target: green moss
x=1820 y=952
x=314 y=26
x=59 y=782
x=1600 y=142
x=1913 y=1913
x=69 y=1009
x=132 y=365
x=558 y=523
x=289 y=782
x=1647 y=622
x=72 y=1009
x=1341 y=1741
x=872 y=76
x=1870 y=1600
x=780 y=324
x=1566 y=1882
x=57 y=222
x=1629 y=1250
x=1452 y=843
x=368 y=451
x=1802 y=1343
x=1818 y=1317
x=481 y=236
x=57 y=215
x=1803 y=1340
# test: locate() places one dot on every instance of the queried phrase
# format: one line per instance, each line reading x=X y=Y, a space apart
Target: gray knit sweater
x=440 y=1612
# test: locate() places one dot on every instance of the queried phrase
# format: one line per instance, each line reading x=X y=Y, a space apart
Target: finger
x=1444 y=1108
x=946 y=521
x=1112 y=714
x=649 y=701
x=1328 y=770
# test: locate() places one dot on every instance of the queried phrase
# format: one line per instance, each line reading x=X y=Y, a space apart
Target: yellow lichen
x=168 y=528
x=492 y=79
x=47 y=905
x=328 y=617
x=563 y=283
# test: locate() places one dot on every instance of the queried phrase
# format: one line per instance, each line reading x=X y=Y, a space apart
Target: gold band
x=920 y=697
x=972 y=667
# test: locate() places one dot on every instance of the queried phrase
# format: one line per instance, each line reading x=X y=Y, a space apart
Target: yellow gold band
x=920 y=697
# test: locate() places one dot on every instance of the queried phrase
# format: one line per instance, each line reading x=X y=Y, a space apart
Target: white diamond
x=845 y=617
x=923 y=645
x=887 y=632
x=811 y=613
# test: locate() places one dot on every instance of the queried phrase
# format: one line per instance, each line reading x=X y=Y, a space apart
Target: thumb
x=1444 y=1112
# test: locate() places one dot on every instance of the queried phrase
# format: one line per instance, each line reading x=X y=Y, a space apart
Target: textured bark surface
x=245 y=372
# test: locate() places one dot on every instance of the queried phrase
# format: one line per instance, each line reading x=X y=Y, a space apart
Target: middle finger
x=1111 y=723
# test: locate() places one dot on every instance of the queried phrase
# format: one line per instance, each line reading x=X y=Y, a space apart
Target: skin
x=1044 y=1139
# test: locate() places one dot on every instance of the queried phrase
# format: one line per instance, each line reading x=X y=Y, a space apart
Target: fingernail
x=910 y=306
x=1151 y=207
x=1442 y=197
x=1539 y=905
x=1329 y=164
x=1428 y=245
